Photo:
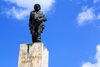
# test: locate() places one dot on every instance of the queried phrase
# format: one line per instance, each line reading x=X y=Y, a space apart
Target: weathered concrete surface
x=33 y=55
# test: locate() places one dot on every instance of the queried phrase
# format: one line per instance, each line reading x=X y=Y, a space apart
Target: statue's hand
x=37 y=20
x=36 y=17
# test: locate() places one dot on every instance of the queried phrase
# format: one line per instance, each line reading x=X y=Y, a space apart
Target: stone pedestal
x=33 y=55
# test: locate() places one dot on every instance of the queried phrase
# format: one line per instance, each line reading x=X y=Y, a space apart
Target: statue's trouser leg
x=33 y=37
x=38 y=38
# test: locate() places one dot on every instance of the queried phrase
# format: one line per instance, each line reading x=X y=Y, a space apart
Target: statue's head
x=37 y=7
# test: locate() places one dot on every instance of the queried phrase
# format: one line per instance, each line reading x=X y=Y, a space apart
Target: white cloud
x=95 y=1
x=98 y=17
x=86 y=15
x=97 y=58
x=28 y=6
x=18 y=13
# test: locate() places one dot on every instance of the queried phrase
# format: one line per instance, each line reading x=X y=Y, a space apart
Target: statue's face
x=37 y=7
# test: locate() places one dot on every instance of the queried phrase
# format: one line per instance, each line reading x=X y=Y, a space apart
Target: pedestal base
x=33 y=55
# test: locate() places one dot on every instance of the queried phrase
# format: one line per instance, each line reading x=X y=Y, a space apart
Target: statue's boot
x=33 y=39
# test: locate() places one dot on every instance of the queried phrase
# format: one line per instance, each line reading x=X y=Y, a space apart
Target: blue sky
x=72 y=32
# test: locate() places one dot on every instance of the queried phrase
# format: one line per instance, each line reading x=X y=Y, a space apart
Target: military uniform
x=35 y=24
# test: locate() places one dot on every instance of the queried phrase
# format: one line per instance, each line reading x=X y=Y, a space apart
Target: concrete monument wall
x=33 y=55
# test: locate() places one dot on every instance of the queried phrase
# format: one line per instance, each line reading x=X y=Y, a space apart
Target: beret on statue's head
x=37 y=7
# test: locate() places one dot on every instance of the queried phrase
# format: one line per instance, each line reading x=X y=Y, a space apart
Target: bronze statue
x=35 y=23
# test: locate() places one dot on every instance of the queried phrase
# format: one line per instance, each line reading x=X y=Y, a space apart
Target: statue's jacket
x=34 y=25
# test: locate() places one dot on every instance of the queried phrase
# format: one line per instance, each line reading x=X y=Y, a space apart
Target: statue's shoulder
x=41 y=12
x=33 y=12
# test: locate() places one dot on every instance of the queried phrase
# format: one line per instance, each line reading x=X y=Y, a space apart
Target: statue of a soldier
x=35 y=23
